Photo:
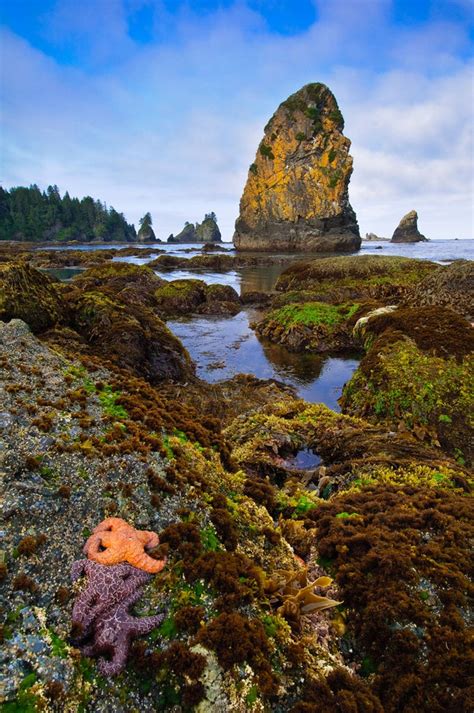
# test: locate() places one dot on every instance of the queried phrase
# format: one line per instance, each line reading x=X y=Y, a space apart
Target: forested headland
x=29 y=214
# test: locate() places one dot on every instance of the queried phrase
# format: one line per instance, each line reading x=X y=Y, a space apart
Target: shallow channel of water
x=225 y=346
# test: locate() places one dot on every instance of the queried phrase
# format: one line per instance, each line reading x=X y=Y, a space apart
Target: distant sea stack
x=296 y=197
x=205 y=232
x=407 y=231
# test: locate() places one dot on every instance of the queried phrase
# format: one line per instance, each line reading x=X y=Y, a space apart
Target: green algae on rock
x=418 y=374
x=296 y=196
x=313 y=326
x=263 y=439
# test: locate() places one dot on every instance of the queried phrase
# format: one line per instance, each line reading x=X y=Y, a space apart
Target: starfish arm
x=143 y=626
x=112 y=524
x=117 y=662
x=77 y=569
x=92 y=543
x=148 y=564
x=148 y=539
x=88 y=650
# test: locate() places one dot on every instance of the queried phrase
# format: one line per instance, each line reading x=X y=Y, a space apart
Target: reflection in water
x=305 y=367
x=259 y=279
x=225 y=346
x=63 y=273
x=305 y=459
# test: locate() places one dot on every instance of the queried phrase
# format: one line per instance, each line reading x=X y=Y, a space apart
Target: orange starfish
x=123 y=543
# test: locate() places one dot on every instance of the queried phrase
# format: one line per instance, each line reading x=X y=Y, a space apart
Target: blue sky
x=159 y=105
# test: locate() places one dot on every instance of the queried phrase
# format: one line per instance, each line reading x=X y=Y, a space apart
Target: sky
x=159 y=105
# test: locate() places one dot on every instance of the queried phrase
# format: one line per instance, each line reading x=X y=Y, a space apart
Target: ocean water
x=437 y=250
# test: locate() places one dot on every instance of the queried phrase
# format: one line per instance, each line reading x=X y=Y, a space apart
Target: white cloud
x=172 y=127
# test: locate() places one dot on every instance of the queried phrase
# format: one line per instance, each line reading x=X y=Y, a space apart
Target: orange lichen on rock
x=114 y=541
x=296 y=195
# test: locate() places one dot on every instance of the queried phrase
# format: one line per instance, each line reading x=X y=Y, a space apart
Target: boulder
x=296 y=196
x=415 y=376
x=407 y=231
x=451 y=286
x=182 y=297
x=30 y=295
x=122 y=280
x=131 y=335
x=345 y=278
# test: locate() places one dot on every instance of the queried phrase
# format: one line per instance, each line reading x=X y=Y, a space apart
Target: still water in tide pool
x=225 y=346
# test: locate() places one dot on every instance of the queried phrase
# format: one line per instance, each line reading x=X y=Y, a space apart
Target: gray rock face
x=407 y=231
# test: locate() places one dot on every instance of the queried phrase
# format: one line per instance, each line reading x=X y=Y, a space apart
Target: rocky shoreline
x=102 y=415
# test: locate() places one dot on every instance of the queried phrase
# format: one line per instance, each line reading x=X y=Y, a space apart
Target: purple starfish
x=113 y=634
x=106 y=587
x=100 y=612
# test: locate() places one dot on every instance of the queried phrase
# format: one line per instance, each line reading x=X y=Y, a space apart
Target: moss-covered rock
x=132 y=335
x=451 y=286
x=220 y=299
x=209 y=262
x=122 y=280
x=27 y=294
x=182 y=297
x=312 y=326
x=361 y=277
x=400 y=556
x=349 y=448
x=418 y=374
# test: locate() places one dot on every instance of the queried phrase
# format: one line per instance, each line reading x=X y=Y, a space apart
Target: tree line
x=29 y=214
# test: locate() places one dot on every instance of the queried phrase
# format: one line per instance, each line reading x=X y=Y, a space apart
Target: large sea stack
x=407 y=230
x=296 y=196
